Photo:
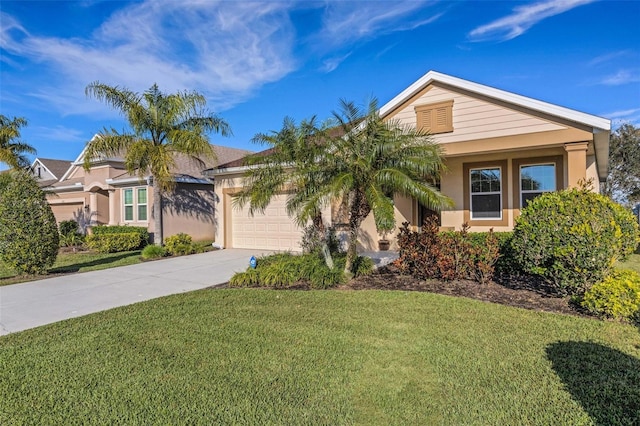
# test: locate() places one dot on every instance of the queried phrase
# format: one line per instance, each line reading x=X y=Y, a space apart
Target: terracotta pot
x=383 y=245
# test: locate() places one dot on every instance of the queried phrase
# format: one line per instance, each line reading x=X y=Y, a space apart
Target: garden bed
x=519 y=294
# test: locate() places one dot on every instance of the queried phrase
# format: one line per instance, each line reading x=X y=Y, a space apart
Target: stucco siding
x=190 y=209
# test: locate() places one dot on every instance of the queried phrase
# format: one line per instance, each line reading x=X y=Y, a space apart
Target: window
x=142 y=203
x=135 y=204
x=536 y=179
x=435 y=118
x=486 y=193
x=533 y=176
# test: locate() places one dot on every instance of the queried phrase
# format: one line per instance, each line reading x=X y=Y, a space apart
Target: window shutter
x=435 y=118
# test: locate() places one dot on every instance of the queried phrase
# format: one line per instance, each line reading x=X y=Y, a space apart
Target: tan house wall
x=65 y=204
x=190 y=209
x=473 y=118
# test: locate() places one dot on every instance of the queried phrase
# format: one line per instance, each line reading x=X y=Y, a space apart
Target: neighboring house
x=501 y=150
x=109 y=195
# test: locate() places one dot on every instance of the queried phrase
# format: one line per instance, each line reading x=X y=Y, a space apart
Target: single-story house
x=501 y=150
x=109 y=195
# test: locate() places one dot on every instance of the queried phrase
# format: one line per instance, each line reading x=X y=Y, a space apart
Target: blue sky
x=258 y=62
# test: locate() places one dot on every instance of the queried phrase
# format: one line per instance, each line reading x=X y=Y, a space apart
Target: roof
x=533 y=104
x=600 y=127
x=56 y=167
x=188 y=170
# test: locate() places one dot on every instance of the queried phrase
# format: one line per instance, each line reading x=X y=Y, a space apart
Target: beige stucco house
x=501 y=150
x=109 y=195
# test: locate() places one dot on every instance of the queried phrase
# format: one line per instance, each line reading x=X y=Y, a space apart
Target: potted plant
x=383 y=242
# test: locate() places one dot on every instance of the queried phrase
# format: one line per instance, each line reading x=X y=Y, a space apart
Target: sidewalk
x=35 y=303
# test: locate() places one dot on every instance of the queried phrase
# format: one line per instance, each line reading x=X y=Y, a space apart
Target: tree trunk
x=358 y=211
x=157 y=214
x=321 y=232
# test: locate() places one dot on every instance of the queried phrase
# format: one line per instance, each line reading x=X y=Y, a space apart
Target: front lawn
x=76 y=262
x=321 y=357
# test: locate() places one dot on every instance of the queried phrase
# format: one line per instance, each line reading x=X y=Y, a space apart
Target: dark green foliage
x=69 y=234
x=29 y=238
x=618 y=296
x=362 y=266
x=572 y=238
x=153 y=251
x=450 y=255
x=124 y=229
x=68 y=227
x=623 y=181
x=179 y=244
x=113 y=243
x=286 y=270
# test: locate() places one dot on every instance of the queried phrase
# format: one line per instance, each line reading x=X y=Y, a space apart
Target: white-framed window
x=134 y=201
x=536 y=179
x=486 y=193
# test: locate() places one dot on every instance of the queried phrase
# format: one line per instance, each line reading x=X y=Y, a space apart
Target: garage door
x=273 y=230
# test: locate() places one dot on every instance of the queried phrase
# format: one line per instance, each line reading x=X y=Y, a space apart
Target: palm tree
x=162 y=126
x=287 y=166
x=373 y=161
x=12 y=150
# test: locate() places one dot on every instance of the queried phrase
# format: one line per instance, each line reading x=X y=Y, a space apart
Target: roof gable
x=497 y=94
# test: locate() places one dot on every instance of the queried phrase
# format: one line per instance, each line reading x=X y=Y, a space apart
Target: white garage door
x=273 y=230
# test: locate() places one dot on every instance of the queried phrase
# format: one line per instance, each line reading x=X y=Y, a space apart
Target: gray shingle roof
x=57 y=167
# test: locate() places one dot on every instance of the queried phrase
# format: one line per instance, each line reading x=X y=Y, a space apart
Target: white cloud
x=607 y=57
x=331 y=64
x=522 y=19
x=58 y=133
x=621 y=77
x=346 y=22
x=225 y=50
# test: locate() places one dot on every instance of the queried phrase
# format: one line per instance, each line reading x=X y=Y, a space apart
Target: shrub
x=179 y=244
x=67 y=227
x=29 y=237
x=123 y=229
x=113 y=243
x=618 y=296
x=572 y=238
x=153 y=251
x=69 y=233
x=362 y=266
x=285 y=270
x=249 y=278
x=429 y=253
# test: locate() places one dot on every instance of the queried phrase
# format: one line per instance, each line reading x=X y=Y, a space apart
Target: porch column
x=576 y=162
x=112 y=207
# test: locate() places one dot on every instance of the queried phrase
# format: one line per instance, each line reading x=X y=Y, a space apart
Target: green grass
x=632 y=263
x=76 y=262
x=321 y=357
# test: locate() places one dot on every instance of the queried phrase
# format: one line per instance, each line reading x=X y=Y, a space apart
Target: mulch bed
x=511 y=292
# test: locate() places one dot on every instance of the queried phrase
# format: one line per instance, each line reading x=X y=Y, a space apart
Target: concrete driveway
x=36 y=303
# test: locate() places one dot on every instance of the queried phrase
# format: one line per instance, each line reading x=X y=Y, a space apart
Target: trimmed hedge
x=124 y=229
x=113 y=243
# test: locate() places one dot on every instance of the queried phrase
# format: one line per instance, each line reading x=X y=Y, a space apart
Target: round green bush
x=572 y=238
x=29 y=239
x=179 y=244
x=618 y=296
